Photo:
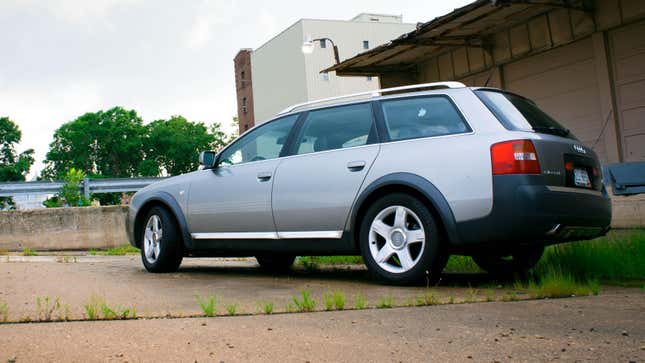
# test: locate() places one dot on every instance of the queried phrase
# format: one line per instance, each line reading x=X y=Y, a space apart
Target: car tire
x=161 y=242
x=519 y=261
x=276 y=263
x=403 y=228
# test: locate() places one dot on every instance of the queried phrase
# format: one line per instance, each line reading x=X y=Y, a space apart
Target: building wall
x=283 y=75
x=278 y=69
x=585 y=69
x=349 y=37
x=244 y=90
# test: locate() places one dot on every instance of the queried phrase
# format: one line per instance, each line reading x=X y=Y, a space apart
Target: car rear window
x=424 y=116
x=519 y=113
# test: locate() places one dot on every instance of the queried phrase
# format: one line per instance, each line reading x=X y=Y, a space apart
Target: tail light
x=514 y=157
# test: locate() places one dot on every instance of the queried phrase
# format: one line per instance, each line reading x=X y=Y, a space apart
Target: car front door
x=315 y=187
x=233 y=200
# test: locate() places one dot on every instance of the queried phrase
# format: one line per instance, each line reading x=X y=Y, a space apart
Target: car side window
x=337 y=128
x=264 y=143
x=417 y=117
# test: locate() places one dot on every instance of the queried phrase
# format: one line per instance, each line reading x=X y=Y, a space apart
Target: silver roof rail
x=373 y=93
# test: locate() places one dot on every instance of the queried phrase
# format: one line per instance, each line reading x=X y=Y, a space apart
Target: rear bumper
x=526 y=211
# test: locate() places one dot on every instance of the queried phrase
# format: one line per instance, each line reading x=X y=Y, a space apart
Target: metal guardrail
x=88 y=186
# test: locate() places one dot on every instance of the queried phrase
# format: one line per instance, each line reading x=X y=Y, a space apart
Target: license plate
x=581 y=178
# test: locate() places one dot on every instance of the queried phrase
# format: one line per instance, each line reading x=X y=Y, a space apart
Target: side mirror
x=207 y=159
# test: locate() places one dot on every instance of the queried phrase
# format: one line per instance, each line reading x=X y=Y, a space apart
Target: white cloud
x=39 y=112
x=210 y=14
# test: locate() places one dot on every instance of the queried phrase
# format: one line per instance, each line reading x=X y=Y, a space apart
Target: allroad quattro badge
x=579 y=149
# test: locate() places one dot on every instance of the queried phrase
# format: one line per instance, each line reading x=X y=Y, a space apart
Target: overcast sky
x=62 y=58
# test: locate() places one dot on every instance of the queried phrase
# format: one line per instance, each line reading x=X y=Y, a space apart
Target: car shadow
x=339 y=274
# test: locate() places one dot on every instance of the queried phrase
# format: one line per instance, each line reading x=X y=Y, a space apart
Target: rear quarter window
x=518 y=113
x=424 y=116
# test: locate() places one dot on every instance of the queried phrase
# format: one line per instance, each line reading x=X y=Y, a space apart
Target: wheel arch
x=414 y=185
x=164 y=200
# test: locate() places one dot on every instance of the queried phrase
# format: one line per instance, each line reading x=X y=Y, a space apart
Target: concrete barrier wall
x=628 y=211
x=63 y=228
x=104 y=227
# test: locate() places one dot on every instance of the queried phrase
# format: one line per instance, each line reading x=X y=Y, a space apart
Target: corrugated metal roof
x=466 y=26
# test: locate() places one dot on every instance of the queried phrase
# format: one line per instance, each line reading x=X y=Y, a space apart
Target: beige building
x=282 y=75
x=583 y=61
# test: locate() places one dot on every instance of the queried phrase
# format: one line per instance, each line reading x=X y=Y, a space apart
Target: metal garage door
x=563 y=82
x=627 y=46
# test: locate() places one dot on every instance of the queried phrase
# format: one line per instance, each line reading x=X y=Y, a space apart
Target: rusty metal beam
x=583 y=5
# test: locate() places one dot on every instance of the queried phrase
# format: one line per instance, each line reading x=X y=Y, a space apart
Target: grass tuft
x=306 y=303
x=207 y=305
x=46 y=308
x=231 y=309
x=4 y=312
x=115 y=313
x=385 y=302
x=116 y=251
x=615 y=257
x=267 y=307
x=339 y=300
x=359 y=301
x=29 y=252
x=93 y=307
x=557 y=284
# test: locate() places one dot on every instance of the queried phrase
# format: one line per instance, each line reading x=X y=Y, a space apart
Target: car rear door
x=315 y=187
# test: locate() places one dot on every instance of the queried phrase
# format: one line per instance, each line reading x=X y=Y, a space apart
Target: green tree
x=70 y=194
x=13 y=166
x=174 y=145
x=104 y=143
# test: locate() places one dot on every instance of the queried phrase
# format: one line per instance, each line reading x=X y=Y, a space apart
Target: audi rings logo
x=579 y=149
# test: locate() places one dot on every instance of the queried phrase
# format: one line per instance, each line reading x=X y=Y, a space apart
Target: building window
x=244 y=109
x=324 y=76
x=323 y=43
x=366 y=44
x=369 y=78
x=243 y=75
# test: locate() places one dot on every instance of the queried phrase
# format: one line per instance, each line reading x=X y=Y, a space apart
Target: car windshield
x=519 y=113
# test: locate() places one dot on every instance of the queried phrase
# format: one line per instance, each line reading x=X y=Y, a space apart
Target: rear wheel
x=517 y=262
x=276 y=263
x=400 y=241
x=161 y=243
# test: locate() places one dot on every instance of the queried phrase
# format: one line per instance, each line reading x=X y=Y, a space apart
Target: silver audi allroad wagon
x=403 y=176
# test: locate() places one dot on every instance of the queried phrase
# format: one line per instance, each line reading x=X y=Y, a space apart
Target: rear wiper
x=552 y=130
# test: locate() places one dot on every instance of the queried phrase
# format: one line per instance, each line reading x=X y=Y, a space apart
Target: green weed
x=267 y=307
x=490 y=295
x=555 y=284
x=29 y=252
x=116 y=251
x=4 y=312
x=93 y=307
x=385 y=302
x=359 y=301
x=339 y=300
x=207 y=305
x=231 y=309
x=46 y=308
x=306 y=303
x=117 y=312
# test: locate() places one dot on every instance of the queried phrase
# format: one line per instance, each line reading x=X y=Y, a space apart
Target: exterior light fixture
x=308 y=46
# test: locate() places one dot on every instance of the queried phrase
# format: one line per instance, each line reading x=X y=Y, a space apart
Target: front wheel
x=517 y=262
x=400 y=241
x=161 y=243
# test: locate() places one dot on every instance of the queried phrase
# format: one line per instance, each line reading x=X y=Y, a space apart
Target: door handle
x=356 y=165
x=264 y=176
